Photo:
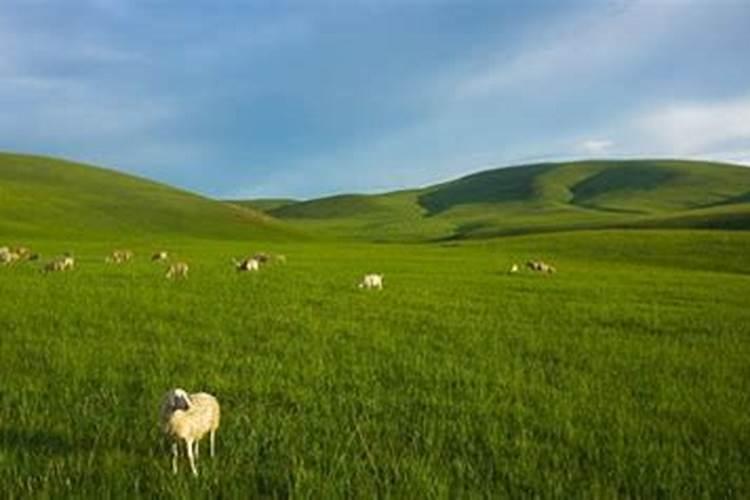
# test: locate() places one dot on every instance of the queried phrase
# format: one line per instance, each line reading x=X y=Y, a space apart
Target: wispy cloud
x=697 y=127
x=595 y=146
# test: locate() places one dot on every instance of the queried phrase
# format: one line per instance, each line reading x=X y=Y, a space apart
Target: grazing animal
x=8 y=256
x=65 y=263
x=119 y=257
x=178 y=270
x=262 y=257
x=539 y=266
x=189 y=418
x=513 y=269
x=22 y=252
x=280 y=258
x=160 y=256
x=372 y=281
x=248 y=264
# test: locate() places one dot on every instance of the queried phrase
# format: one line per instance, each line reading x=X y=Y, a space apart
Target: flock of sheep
x=534 y=265
x=179 y=269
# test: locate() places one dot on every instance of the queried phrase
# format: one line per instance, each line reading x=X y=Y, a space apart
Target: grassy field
x=625 y=374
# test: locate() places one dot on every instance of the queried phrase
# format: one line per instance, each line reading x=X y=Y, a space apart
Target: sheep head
x=178 y=399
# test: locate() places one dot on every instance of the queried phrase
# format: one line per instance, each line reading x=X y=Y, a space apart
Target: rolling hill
x=541 y=198
x=50 y=198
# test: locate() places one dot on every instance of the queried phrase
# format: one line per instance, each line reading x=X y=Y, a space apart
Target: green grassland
x=540 y=198
x=60 y=199
x=625 y=374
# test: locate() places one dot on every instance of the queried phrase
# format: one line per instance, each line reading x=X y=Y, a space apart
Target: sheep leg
x=190 y=456
x=213 y=440
x=197 y=448
x=175 y=455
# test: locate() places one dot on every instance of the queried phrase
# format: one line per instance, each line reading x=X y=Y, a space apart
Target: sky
x=248 y=99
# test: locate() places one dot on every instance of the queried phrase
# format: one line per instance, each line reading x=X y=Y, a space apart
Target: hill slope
x=49 y=198
x=542 y=197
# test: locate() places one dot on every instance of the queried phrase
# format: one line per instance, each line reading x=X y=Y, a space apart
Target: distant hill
x=541 y=198
x=264 y=204
x=51 y=198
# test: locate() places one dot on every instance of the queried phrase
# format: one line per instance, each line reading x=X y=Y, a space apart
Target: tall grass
x=626 y=374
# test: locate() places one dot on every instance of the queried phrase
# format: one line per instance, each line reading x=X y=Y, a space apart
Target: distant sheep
x=189 y=418
x=262 y=257
x=8 y=256
x=178 y=270
x=23 y=252
x=542 y=267
x=119 y=257
x=513 y=269
x=66 y=263
x=281 y=259
x=372 y=281
x=248 y=264
x=160 y=256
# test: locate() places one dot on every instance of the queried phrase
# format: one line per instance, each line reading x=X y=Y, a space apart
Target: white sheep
x=372 y=281
x=160 y=256
x=178 y=270
x=118 y=257
x=248 y=264
x=513 y=269
x=542 y=267
x=189 y=418
x=60 y=264
x=7 y=256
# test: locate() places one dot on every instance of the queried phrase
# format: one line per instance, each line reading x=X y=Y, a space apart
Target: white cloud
x=595 y=146
x=582 y=43
x=696 y=127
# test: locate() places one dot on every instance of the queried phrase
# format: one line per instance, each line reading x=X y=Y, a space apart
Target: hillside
x=264 y=204
x=541 y=198
x=50 y=198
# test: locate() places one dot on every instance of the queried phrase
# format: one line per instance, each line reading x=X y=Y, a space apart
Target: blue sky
x=308 y=98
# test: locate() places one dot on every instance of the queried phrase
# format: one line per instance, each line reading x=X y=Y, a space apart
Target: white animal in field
x=542 y=267
x=66 y=263
x=248 y=264
x=119 y=257
x=372 y=281
x=281 y=259
x=178 y=270
x=160 y=256
x=8 y=256
x=513 y=269
x=188 y=418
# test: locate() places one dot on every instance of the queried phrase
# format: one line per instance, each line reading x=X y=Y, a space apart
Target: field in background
x=626 y=374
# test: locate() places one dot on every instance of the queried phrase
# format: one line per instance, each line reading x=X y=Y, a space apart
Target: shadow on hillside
x=494 y=186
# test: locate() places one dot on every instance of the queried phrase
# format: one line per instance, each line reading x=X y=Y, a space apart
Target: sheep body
x=178 y=270
x=372 y=281
x=540 y=266
x=160 y=256
x=248 y=264
x=60 y=264
x=189 y=418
